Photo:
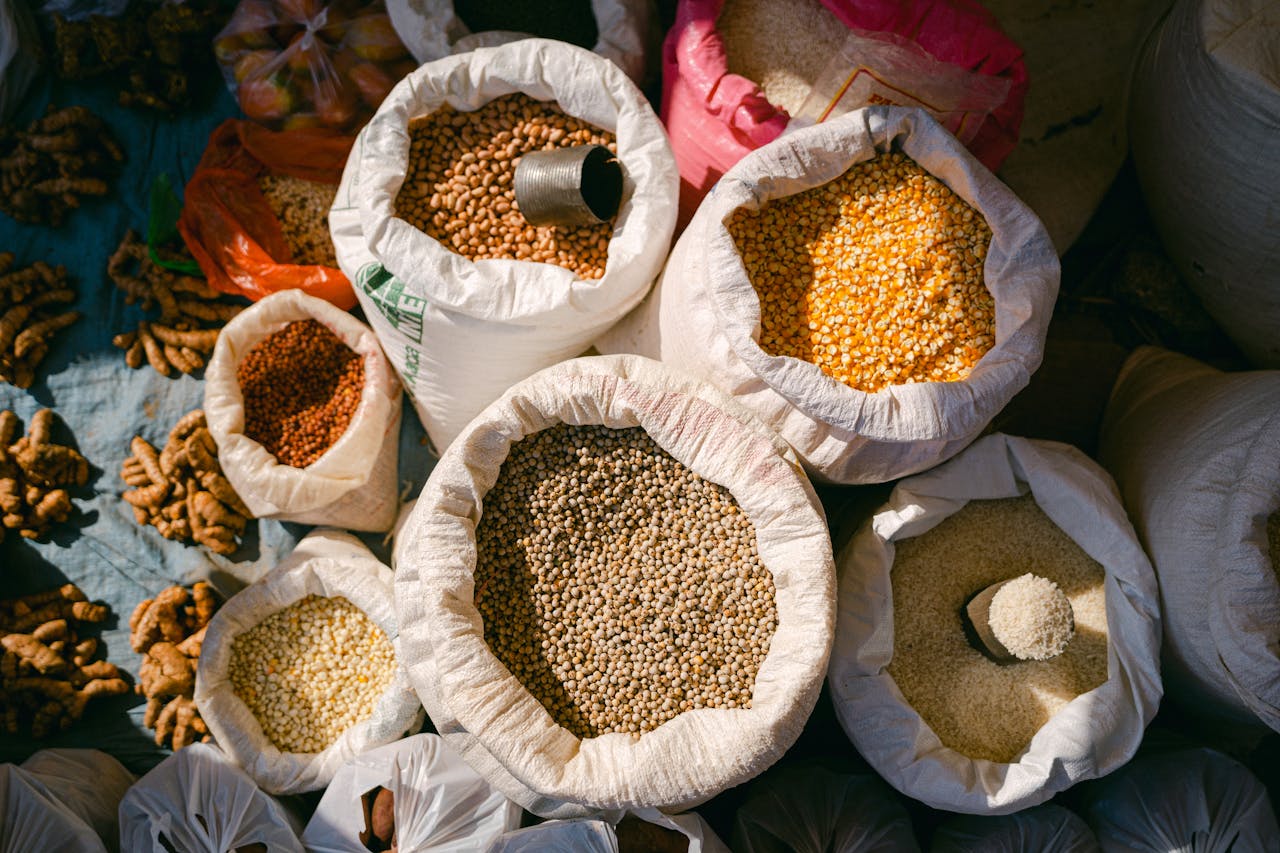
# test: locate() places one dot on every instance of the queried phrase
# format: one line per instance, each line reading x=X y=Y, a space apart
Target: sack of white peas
x=865 y=286
x=1196 y=453
x=466 y=297
x=616 y=591
x=300 y=671
x=998 y=635
x=305 y=410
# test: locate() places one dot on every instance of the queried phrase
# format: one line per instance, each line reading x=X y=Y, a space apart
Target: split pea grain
x=301 y=387
x=875 y=277
x=618 y=586
x=311 y=671
x=459 y=187
x=302 y=208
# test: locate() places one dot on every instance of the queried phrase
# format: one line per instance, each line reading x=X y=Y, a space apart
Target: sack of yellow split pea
x=865 y=286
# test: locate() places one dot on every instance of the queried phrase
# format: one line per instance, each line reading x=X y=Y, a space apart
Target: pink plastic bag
x=714 y=117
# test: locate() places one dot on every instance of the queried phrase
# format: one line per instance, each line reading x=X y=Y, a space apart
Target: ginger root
x=34 y=474
x=168 y=631
x=45 y=169
x=32 y=310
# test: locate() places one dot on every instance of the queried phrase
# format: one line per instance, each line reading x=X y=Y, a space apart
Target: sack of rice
x=998 y=632
x=305 y=411
x=1196 y=454
x=300 y=671
x=865 y=286
x=1045 y=829
x=465 y=295
x=616 y=591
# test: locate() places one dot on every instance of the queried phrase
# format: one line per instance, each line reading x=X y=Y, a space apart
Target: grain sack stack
x=998 y=630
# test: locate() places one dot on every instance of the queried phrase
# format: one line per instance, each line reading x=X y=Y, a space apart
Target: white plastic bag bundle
x=353 y=484
x=197 y=801
x=1045 y=829
x=431 y=29
x=1204 y=123
x=35 y=819
x=440 y=804
x=1094 y=733
x=593 y=835
x=704 y=316
x=1196 y=800
x=485 y=713
x=87 y=782
x=808 y=808
x=326 y=563
x=461 y=332
x=1196 y=454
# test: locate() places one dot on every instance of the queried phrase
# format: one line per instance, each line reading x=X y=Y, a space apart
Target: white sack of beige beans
x=704 y=315
x=587 y=835
x=1204 y=109
x=431 y=29
x=353 y=485
x=486 y=713
x=1196 y=454
x=1087 y=737
x=330 y=565
x=197 y=800
x=460 y=332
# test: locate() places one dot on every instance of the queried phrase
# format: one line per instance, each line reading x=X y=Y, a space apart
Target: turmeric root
x=34 y=474
x=45 y=169
x=32 y=310
x=169 y=632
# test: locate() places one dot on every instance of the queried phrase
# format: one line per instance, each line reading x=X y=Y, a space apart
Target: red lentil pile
x=301 y=387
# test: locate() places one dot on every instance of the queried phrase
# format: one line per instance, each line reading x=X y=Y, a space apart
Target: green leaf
x=162 y=224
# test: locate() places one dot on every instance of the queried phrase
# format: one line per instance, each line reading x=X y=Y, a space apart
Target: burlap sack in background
x=704 y=316
x=353 y=485
x=1093 y=734
x=461 y=332
x=327 y=563
x=1196 y=454
x=492 y=720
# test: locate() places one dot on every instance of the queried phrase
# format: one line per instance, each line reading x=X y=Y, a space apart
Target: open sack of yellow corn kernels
x=865 y=286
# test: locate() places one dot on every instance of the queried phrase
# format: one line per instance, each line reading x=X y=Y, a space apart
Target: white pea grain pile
x=976 y=706
x=302 y=207
x=780 y=45
x=311 y=671
x=618 y=586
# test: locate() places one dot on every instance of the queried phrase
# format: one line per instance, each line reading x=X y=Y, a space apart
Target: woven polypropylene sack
x=1196 y=453
x=87 y=782
x=461 y=332
x=431 y=29
x=199 y=802
x=1093 y=734
x=34 y=819
x=585 y=835
x=488 y=716
x=1204 y=125
x=353 y=484
x=326 y=563
x=1045 y=829
x=704 y=315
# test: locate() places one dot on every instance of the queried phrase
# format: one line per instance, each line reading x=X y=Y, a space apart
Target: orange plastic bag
x=228 y=224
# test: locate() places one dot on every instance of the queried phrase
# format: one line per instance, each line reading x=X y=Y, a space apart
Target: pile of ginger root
x=35 y=475
x=168 y=631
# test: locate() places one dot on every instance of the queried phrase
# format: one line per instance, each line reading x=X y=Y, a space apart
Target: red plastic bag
x=714 y=117
x=227 y=222
x=294 y=64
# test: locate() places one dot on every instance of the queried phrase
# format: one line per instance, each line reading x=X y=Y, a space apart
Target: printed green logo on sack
x=401 y=309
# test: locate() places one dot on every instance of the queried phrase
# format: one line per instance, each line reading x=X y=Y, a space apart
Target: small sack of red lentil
x=1196 y=453
x=998 y=637
x=865 y=286
x=465 y=295
x=305 y=411
x=255 y=213
x=300 y=671
x=615 y=591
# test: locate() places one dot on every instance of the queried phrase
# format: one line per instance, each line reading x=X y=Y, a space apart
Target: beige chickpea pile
x=311 y=671
x=618 y=586
x=875 y=277
x=459 y=188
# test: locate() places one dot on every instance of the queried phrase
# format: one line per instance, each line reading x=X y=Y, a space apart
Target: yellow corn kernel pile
x=875 y=277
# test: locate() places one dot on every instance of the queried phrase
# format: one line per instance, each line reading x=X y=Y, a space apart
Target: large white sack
x=326 y=563
x=431 y=30
x=1204 y=125
x=1043 y=829
x=704 y=316
x=488 y=716
x=1089 y=737
x=440 y=804
x=593 y=835
x=353 y=484
x=35 y=820
x=1196 y=454
x=201 y=803
x=87 y=782
x=461 y=332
